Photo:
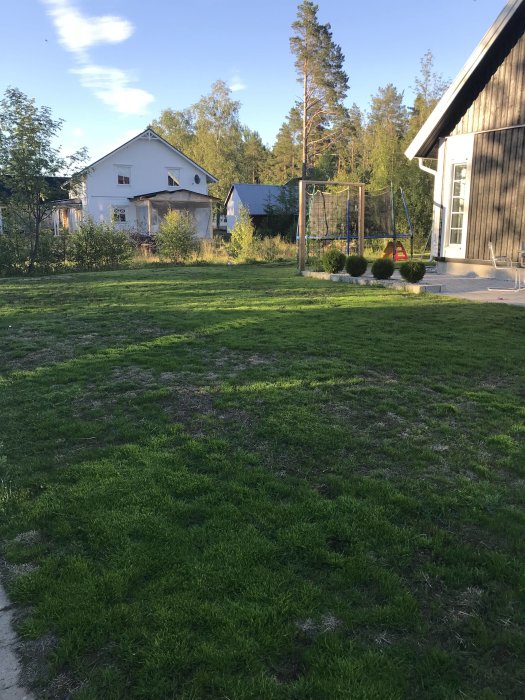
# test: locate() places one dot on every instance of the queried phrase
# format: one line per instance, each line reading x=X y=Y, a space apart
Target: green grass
x=239 y=483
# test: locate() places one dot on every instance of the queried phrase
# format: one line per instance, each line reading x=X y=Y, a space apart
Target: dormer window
x=123 y=174
x=173 y=177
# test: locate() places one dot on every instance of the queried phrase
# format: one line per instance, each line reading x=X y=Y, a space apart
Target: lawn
x=236 y=483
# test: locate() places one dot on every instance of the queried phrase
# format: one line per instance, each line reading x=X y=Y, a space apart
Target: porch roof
x=66 y=203
x=175 y=196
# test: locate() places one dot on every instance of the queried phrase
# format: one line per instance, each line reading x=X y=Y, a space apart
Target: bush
x=356 y=265
x=412 y=271
x=176 y=239
x=97 y=246
x=383 y=268
x=333 y=260
x=273 y=249
x=14 y=253
x=241 y=237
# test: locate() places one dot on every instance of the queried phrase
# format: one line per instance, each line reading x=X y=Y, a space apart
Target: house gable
x=488 y=92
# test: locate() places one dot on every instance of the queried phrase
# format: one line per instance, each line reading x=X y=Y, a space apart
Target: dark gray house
x=476 y=136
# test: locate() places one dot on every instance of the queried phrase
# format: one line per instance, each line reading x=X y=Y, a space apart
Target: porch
x=151 y=208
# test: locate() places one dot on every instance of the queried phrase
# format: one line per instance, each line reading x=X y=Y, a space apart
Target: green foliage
x=333 y=260
x=29 y=164
x=242 y=236
x=210 y=132
x=356 y=265
x=98 y=246
x=176 y=240
x=15 y=247
x=319 y=66
x=383 y=268
x=412 y=271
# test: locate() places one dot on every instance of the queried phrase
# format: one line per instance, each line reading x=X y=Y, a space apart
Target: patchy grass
x=238 y=483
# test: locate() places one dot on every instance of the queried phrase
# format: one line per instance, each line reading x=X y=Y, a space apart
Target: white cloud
x=236 y=84
x=111 y=85
x=77 y=32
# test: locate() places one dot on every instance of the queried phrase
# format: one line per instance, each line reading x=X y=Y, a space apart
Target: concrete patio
x=497 y=290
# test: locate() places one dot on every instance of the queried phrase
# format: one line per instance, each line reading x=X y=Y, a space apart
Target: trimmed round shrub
x=412 y=271
x=333 y=260
x=383 y=268
x=356 y=265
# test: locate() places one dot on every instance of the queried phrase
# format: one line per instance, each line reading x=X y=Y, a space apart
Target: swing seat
x=401 y=253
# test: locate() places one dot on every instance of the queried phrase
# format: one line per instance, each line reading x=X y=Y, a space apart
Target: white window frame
x=459 y=151
x=174 y=173
x=124 y=172
x=122 y=211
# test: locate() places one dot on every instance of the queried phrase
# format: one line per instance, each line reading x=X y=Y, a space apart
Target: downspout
x=430 y=171
x=425 y=168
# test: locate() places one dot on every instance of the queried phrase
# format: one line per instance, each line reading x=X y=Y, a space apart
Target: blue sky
x=108 y=67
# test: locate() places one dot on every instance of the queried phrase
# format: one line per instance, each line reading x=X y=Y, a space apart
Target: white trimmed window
x=173 y=177
x=123 y=174
x=119 y=215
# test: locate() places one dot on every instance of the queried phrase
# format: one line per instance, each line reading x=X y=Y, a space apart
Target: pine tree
x=319 y=64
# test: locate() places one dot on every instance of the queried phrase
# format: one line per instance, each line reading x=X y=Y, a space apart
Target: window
x=123 y=174
x=173 y=177
x=119 y=215
x=457 y=204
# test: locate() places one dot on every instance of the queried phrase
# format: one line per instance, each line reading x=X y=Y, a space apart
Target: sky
x=109 y=67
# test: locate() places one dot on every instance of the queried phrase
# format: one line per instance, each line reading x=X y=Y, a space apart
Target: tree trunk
x=305 y=121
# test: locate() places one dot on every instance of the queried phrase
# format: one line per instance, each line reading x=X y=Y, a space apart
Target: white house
x=136 y=184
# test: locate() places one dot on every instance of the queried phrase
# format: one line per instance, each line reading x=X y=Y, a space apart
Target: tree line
x=320 y=137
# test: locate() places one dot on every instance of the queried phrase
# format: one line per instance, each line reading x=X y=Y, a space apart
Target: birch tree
x=28 y=163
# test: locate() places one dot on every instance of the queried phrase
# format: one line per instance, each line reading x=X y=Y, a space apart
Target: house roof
x=464 y=88
x=210 y=179
x=181 y=195
x=256 y=198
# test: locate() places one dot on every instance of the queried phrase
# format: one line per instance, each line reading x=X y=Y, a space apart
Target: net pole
x=361 y=222
x=301 y=257
x=394 y=245
x=409 y=223
x=347 y=225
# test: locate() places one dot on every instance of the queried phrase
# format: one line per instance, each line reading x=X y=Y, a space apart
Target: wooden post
x=149 y=218
x=361 y=222
x=301 y=258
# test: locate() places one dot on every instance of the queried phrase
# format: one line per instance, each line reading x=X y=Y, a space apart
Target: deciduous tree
x=28 y=162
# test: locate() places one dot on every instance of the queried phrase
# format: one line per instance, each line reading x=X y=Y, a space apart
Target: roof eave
x=426 y=139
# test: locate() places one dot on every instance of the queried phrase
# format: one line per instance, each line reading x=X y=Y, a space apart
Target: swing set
x=344 y=211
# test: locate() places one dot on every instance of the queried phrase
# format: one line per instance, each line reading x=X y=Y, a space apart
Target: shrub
x=383 y=268
x=14 y=252
x=242 y=235
x=97 y=246
x=176 y=239
x=315 y=264
x=356 y=265
x=273 y=249
x=412 y=271
x=333 y=260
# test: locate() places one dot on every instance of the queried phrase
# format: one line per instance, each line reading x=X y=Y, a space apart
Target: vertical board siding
x=500 y=102
x=497 y=200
